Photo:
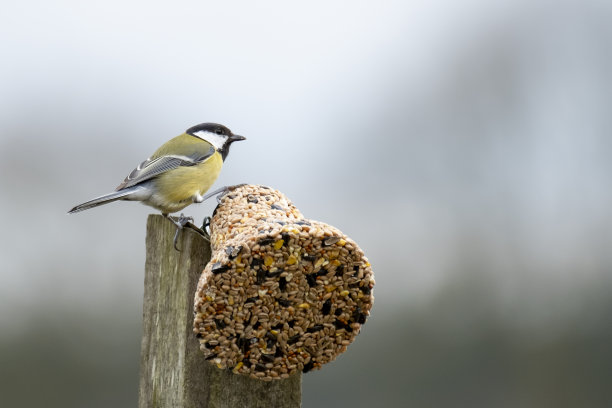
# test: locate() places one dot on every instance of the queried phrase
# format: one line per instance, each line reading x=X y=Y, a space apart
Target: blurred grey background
x=465 y=145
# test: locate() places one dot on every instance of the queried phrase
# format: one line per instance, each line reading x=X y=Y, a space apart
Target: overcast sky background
x=452 y=141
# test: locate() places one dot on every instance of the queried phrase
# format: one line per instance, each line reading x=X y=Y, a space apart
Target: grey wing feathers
x=151 y=168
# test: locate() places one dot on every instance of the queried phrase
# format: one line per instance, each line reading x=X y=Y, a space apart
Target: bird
x=177 y=174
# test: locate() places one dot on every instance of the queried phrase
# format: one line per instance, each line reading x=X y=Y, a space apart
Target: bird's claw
x=182 y=222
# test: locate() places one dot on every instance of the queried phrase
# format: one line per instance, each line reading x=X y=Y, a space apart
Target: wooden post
x=173 y=372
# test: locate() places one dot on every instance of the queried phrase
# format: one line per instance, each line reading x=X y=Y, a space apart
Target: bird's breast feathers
x=185 y=182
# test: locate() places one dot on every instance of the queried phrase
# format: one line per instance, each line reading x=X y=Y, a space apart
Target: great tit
x=177 y=174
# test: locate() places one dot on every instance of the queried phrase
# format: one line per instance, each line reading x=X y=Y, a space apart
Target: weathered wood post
x=173 y=371
x=278 y=295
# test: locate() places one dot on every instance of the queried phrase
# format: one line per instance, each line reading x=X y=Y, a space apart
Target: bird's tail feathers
x=106 y=198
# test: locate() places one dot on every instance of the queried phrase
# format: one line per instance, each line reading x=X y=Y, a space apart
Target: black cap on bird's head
x=217 y=135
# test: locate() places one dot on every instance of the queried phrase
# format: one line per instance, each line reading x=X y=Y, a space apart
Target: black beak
x=226 y=146
x=235 y=138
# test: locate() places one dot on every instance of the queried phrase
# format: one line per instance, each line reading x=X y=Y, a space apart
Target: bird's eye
x=219 y=131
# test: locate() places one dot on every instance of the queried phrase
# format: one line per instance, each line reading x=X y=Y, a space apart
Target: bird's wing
x=151 y=168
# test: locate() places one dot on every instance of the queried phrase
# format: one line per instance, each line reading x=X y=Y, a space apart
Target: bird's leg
x=179 y=221
x=220 y=192
x=182 y=222
x=198 y=198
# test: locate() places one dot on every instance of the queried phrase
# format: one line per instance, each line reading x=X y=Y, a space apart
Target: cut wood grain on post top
x=173 y=371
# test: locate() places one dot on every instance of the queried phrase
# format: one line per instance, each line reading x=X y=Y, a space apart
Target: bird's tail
x=107 y=198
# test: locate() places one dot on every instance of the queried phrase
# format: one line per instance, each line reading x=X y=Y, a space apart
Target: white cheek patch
x=213 y=138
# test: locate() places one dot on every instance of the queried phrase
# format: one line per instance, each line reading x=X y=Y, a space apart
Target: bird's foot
x=182 y=222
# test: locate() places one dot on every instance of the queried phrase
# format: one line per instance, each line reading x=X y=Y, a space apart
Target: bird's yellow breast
x=183 y=183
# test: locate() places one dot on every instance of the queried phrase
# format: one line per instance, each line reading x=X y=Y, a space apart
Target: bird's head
x=217 y=135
